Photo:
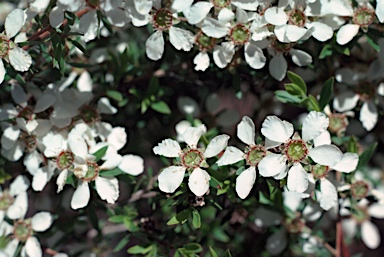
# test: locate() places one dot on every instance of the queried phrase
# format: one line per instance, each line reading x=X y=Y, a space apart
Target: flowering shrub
x=255 y=132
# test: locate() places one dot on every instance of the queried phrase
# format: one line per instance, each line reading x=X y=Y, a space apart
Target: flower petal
x=41 y=221
x=143 y=6
x=20 y=59
x=272 y=165
x=297 y=178
x=328 y=155
x=370 y=234
x=328 y=197
x=198 y=181
x=276 y=130
x=107 y=189
x=197 y=12
x=277 y=242
x=345 y=101
x=154 y=46
x=376 y=210
x=81 y=196
x=300 y=58
x=19 y=207
x=181 y=5
x=278 y=67
x=314 y=124
x=168 y=148
x=276 y=16
x=2 y=71
x=181 y=38
x=348 y=163
x=346 y=33
x=216 y=145
x=14 y=21
x=201 y=61
x=33 y=248
x=246 y=131
x=19 y=185
x=368 y=115
x=132 y=164
x=170 y=178
x=192 y=135
x=245 y=181
x=230 y=156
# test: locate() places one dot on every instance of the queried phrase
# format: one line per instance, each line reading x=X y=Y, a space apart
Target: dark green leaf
x=212 y=252
x=326 y=93
x=116 y=219
x=137 y=249
x=111 y=173
x=296 y=79
x=371 y=41
x=161 y=107
x=196 y=221
x=227 y=254
x=193 y=248
x=352 y=145
x=366 y=156
x=115 y=95
x=326 y=51
x=123 y=242
x=78 y=45
x=100 y=153
x=183 y=215
x=153 y=86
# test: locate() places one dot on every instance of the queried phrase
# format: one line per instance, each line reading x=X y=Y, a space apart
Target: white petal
x=314 y=124
x=297 y=178
x=254 y=56
x=81 y=196
x=33 y=247
x=230 y=156
x=132 y=164
x=322 y=31
x=214 y=28
x=348 y=163
x=216 y=145
x=380 y=11
x=19 y=207
x=198 y=181
x=112 y=161
x=223 y=54
x=107 y=189
x=154 y=46
x=245 y=181
x=143 y=6
x=278 y=67
x=370 y=234
x=368 y=115
x=345 y=101
x=276 y=16
x=248 y=5
x=300 y=58
x=19 y=185
x=78 y=145
x=61 y=180
x=349 y=227
x=39 y=180
x=225 y=15
x=20 y=59
x=201 y=61
x=44 y=102
x=168 y=148
x=2 y=71
x=276 y=130
x=268 y=144
x=197 y=12
x=267 y=218
x=192 y=135
x=346 y=33
x=14 y=21
x=277 y=242
x=328 y=155
x=246 y=131
x=376 y=210
x=41 y=221
x=117 y=137
x=18 y=95
x=181 y=38
x=56 y=17
x=328 y=194
x=181 y=5
x=323 y=139
x=272 y=165
x=170 y=178
x=9 y=137
x=292 y=33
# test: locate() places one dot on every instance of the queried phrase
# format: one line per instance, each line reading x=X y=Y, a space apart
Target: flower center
x=295 y=225
x=162 y=19
x=26 y=113
x=89 y=115
x=192 y=158
x=92 y=172
x=254 y=154
x=282 y=47
x=365 y=91
x=4 y=45
x=359 y=214
x=359 y=189
x=319 y=171
x=338 y=123
x=30 y=141
x=221 y=3
x=22 y=230
x=204 y=42
x=364 y=16
x=93 y=3
x=295 y=150
x=6 y=200
x=239 y=34
x=65 y=160
x=297 y=17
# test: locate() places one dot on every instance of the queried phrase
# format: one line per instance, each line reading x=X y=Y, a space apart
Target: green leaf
x=311 y=103
x=78 y=45
x=172 y=221
x=366 y=156
x=213 y=182
x=326 y=51
x=183 y=215
x=130 y=225
x=352 y=145
x=227 y=253
x=153 y=86
x=137 y=249
x=111 y=173
x=116 y=219
x=116 y=95
x=372 y=42
x=100 y=153
x=161 y=107
x=296 y=79
x=71 y=179
x=326 y=92
x=212 y=252
x=196 y=220
x=123 y=242
x=294 y=89
x=193 y=248
x=285 y=97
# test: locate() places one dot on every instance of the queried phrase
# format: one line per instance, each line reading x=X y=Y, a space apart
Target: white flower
x=191 y=158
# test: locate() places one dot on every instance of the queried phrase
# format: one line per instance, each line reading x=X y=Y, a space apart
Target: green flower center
x=359 y=189
x=4 y=45
x=359 y=214
x=364 y=16
x=282 y=47
x=338 y=123
x=192 y=158
x=221 y=3
x=204 y=42
x=22 y=230
x=6 y=200
x=92 y=172
x=295 y=150
x=319 y=171
x=297 y=17
x=65 y=160
x=89 y=115
x=239 y=34
x=162 y=19
x=254 y=154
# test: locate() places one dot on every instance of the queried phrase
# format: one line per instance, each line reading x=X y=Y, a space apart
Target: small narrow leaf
x=366 y=156
x=115 y=95
x=285 y=97
x=326 y=92
x=123 y=242
x=196 y=220
x=161 y=107
x=100 y=153
x=294 y=89
x=296 y=79
x=212 y=252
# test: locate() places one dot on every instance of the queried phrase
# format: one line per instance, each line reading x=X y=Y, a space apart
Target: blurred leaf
x=285 y=97
x=78 y=45
x=116 y=219
x=122 y=243
x=137 y=249
x=161 y=107
x=366 y=156
x=196 y=220
x=326 y=93
x=193 y=248
x=326 y=51
x=371 y=41
x=294 y=89
x=115 y=95
x=212 y=252
x=227 y=254
x=130 y=225
x=153 y=86
x=100 y=153
x=296 y=79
